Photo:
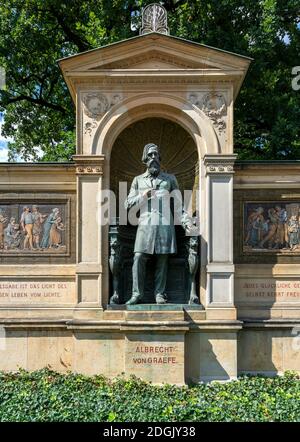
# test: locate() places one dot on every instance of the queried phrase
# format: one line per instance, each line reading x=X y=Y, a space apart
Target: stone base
x=269 y=347
x=212 y=356
x=175 y=352
x=155 y=307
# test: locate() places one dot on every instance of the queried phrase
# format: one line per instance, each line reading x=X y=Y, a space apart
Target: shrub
x=45 y=395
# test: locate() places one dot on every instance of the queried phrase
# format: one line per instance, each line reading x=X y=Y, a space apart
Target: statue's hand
x=147 y=193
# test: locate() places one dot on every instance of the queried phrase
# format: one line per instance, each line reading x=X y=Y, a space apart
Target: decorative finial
x=154 y=19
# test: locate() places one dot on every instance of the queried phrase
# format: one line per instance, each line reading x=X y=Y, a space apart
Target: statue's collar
x=147 y=174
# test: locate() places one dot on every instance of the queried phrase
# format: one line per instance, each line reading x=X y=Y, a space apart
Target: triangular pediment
x=156 y=59
x=151 y=54
x=154 y=51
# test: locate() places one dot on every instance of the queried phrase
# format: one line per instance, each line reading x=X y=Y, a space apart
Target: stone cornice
x=89 y=164
x=40 y=167
x=219 y=164
x=155 y=76
x=41 y=176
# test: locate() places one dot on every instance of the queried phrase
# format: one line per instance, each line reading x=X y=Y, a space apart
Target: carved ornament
x=90 y=170
x=95 y=105
x=214 y=107
x=154 y=19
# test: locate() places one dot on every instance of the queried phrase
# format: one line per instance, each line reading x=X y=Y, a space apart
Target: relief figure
x=38 y=220
x=12 y=235
x=55 y=233
x=293 y=231
x=47 y=228
x=3 y=221
x=255 y=227
x=26 y=222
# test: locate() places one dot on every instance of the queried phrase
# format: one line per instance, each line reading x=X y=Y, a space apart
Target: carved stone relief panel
x=33 y=227
x=213 y=104
x=271 y=226
x=267 y=226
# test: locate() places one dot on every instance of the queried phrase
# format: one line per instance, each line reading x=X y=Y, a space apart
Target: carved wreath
x=95 y=105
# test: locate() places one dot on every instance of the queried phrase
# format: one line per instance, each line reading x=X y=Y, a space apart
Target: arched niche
x=179 y=156
x=178 y=151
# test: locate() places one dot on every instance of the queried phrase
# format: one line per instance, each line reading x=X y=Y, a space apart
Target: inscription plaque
x=37 y=291
x=159 y=356
x=267 y=291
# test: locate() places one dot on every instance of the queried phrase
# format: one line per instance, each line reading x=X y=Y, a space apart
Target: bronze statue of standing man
x=150 y=193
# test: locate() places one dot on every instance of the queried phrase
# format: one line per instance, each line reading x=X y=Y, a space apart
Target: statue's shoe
x=194 y=299
x=161 y=299
x=133 y=300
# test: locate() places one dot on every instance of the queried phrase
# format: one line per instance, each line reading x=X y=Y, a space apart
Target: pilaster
x=89 y=171
x=220 y=269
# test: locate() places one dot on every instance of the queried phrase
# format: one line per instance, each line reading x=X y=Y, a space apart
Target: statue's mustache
x=153 y=162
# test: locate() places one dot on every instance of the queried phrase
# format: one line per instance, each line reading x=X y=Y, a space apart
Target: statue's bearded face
x=153 y=163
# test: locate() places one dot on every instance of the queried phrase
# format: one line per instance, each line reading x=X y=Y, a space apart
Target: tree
x=39 y=113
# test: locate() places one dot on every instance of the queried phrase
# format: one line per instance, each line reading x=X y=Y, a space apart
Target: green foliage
x=48 y=396
x=40 y=116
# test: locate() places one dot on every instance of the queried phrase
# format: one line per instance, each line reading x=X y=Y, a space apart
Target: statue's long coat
x=156 y=232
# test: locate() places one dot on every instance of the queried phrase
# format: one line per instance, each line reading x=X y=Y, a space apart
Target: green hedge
x=48 y=396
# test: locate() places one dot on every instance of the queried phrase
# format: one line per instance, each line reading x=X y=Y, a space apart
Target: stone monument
x=60 y=264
